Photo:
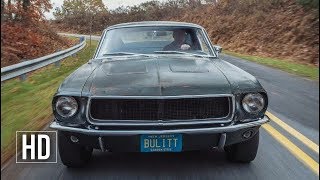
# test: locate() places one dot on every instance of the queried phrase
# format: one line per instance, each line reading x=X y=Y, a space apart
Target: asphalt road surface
x=93 y=37
x=288 y=144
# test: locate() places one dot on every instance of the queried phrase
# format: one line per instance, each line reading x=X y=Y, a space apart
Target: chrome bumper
x=231 y=128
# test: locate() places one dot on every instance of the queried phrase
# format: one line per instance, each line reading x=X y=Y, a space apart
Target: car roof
x=154 y=23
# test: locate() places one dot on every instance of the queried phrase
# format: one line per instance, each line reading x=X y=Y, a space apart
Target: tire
x=245 y=151
x=72 y=155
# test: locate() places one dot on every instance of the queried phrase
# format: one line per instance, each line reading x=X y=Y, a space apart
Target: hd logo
x=36 y=147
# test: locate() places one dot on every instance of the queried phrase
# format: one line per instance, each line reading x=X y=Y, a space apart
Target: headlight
x=253 y=103
x=66 y=106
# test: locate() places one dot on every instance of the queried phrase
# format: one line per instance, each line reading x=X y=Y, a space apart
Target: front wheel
x=71 y=154
x=245 y=151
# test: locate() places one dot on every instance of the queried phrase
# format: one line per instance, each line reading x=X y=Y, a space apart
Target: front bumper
x=231 y=128
x=193 y=139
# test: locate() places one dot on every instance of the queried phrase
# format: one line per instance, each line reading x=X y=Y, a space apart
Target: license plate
x=161 y=143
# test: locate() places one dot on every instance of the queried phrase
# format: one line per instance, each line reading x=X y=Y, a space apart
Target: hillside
x=283 y=29
x=28 y=41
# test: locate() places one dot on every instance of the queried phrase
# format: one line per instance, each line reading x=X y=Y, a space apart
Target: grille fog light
x=74 y=139
x=247 y=134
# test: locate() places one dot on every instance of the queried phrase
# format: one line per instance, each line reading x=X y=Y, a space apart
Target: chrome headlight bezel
x=253 y=103
x=66 y=103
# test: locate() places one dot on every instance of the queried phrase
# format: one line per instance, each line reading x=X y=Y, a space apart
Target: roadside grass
x=27 y=105
x=307 y=71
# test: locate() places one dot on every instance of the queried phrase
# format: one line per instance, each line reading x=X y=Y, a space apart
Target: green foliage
x=309 y=3
x=83 y=14
x=75 y=8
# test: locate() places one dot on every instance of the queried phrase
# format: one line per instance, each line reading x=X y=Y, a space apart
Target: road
x=96 y=38
x=285 y=152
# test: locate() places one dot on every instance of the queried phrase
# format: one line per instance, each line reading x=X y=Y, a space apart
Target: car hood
x=160 y=76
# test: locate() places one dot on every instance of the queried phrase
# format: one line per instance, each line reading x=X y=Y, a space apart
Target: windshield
x=154 y=40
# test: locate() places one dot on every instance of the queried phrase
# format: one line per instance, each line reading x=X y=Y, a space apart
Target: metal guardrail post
x=81 y=39
x=57 y=63
x=23 y=77
x=74 y=54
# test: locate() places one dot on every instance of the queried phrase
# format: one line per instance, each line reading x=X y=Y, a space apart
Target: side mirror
x=218 y=49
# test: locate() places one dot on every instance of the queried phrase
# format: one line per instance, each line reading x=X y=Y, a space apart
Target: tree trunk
x=2 y=9
x=9 y=12
x=25 y=6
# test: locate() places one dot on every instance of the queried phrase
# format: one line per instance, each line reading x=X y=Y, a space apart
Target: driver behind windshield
x=179 y=37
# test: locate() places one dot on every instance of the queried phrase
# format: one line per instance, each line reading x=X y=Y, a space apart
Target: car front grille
x=160 y=109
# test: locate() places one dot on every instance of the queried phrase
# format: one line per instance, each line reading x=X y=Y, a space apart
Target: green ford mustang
x=158 y=87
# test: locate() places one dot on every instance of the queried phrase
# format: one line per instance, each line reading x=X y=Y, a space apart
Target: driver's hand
x=185 y=47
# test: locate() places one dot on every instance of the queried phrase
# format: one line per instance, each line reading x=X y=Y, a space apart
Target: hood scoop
x=187 y=67
x=118 y=68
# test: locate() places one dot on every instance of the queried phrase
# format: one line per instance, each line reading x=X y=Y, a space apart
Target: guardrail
x=21 y=69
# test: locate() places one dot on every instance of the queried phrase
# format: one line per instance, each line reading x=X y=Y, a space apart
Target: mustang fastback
x=156 y=87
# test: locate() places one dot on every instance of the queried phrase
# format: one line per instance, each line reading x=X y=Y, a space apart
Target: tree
x=25 y=5
x=75 y=8
x=2 y=9
x=25 y=10
x=78 y=14
x=6 y=10
x=81 y=13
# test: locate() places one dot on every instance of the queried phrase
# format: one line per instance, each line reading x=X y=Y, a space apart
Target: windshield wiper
x=186 y=53
x=170 y=52
x=125 y=54
x=118 y=54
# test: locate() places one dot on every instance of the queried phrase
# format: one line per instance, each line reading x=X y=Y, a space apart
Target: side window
x=203 y=44
x=188 y=39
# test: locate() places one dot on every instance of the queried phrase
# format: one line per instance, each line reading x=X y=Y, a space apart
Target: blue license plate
x=161 y=143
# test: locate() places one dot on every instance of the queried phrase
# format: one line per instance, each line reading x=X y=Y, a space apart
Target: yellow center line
x=296 y=151
x=313 y=146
